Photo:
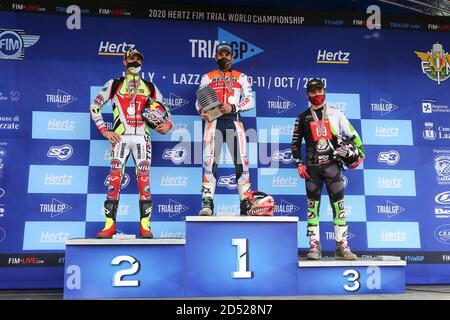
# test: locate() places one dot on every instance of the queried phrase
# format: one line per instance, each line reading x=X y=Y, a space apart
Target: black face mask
x=224 y=63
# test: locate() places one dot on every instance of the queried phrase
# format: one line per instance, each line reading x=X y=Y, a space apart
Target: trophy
x=209 y=102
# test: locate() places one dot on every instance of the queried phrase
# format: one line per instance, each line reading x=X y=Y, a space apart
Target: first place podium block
x=241 y=256
x=130 y=268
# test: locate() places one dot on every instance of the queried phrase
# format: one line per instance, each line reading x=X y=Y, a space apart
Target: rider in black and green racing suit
x=321 y=126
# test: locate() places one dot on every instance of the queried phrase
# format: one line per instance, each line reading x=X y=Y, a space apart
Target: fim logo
x=442 y=234
x=55 y=208
x=442 y=167
x=281 y=105
x=175 y=102
x=173 y=208
x=429 y=133
x=390 y=209
x=61 y=99
x=390 y=157
x=284 y=156
x=14 y=42
x=177 y=155
x=435 y=63
x=63 y=152
x=228 y=181
x=384 y=107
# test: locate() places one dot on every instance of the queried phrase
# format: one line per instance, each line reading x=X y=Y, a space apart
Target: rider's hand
x=226 y=108
x=302 y=172
x=162 y=128
x=112 y=136
x=204 y=116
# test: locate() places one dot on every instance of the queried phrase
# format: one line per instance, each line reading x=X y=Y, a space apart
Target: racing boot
x=342 y=251
x=145 y=209
x=110 y=211
x=207 y=207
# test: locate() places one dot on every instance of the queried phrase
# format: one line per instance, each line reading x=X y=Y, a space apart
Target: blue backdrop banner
x=54 y=162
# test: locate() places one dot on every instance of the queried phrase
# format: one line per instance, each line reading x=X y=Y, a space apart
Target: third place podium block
x=241 y=256
x=379 y=275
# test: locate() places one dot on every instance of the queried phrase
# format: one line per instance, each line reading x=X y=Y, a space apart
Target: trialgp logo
x=435 y=63
x=13 y=43
x=242 y=49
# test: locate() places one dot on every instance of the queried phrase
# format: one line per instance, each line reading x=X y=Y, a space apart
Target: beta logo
x=13 y=44
x=284 y=156
x=228 y=181
x=62 y=153
x=391 y=157
x=442 y=234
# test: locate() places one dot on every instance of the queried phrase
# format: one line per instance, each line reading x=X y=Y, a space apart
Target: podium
x=221 y=256
x=131 y=268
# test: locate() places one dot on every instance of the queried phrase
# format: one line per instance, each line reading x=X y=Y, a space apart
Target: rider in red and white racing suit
x=130 y=134
x=234 y=91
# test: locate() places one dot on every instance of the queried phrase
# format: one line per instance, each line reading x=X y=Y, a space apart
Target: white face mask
x=134 y=67
x=135 y=70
